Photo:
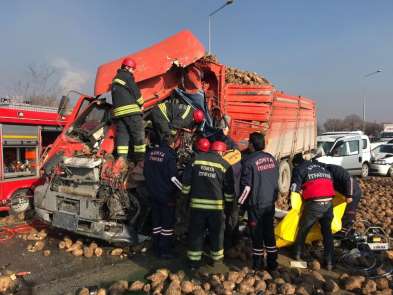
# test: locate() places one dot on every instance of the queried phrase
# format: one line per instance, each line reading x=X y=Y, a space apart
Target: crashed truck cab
x=82 y=193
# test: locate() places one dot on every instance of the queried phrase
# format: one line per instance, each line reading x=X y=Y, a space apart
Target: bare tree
x=41 y=85
x=373 y=128
x=351 y=123
x=333 y=125
x=320 y=129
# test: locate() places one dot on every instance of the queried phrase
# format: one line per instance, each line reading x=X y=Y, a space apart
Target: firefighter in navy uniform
x=160 y=174
x=127 y=112
x=167 y=117
x=208 y=180
x=259 y=183
x=348 y=186
x=314 y=181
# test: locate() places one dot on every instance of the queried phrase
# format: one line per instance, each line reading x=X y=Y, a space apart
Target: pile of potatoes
x=234 y=75
x=39 y=238
x=283 y=202
x=12 y=219
x=237 y=76
x=246 y=281
x=78 y=249
x=376 y=206
x=8 y=283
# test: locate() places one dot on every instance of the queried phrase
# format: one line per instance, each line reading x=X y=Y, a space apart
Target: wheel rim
x=20 y=204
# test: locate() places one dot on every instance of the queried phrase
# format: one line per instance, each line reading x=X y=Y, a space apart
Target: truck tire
x=284 y=177
x=21 y=201
x=365 y=170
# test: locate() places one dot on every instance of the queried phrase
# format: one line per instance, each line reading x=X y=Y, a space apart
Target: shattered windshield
x=92 y=119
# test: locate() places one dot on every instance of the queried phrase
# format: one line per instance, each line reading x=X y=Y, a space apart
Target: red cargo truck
x=25 y=132
x=79 y=195
x=289 y=121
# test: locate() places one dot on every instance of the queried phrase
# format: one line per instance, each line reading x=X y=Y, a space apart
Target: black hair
x=257 y=140
x=297 y=159
x=169 y=139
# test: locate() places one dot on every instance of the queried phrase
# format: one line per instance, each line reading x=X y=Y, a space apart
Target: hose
x=6 y=234
x=369 y=271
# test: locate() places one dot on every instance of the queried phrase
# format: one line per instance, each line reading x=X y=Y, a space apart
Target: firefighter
x=346 y=185
x=127 y=112
x=208 y=180
x=160 y=174
x=167 y=117
x=233 y=157
x=314 y=181
x=259 y=183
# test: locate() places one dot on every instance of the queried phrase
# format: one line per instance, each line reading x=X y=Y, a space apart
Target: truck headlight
x=380 y=162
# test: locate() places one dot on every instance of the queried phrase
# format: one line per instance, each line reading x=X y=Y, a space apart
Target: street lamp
x=364 y=97
x=213 y=13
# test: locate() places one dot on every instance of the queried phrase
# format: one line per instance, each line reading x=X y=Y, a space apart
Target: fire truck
x=26 y=131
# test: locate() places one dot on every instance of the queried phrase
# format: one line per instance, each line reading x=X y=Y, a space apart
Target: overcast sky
x=319 y=49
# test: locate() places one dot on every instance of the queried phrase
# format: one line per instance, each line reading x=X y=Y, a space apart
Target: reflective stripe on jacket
x=209 y=182
x=126 y=96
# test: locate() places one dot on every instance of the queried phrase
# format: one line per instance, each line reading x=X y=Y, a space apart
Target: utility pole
x=364 y=97
x=210 y=21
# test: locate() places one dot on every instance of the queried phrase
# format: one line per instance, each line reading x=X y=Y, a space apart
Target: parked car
x=386 y=136
x=382 y=160
x=349 y=149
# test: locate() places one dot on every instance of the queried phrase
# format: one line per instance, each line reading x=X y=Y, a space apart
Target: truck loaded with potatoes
x=84 y=193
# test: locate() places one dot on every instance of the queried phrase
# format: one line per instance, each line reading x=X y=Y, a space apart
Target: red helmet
x=218 y=146
x=203 y=145
x=129 y=62
x=198 y=116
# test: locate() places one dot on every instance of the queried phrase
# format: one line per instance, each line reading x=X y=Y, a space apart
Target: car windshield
x=326 y=145
x=388 y=149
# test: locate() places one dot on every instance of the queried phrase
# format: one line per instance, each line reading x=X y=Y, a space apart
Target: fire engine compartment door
x=20 y=135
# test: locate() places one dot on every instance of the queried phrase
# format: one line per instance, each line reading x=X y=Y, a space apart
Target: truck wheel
x=284 y=177
x=21 y=201
x=365 y=170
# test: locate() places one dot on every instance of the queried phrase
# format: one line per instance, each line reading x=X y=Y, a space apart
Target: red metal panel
x=30 y=118
x=261 y=108
x=180 y=49
x=10 y=186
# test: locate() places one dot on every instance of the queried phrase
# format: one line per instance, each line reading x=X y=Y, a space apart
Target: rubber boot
x=271 y=261
x=257 y=262
x=297 y=252
x=193 y=265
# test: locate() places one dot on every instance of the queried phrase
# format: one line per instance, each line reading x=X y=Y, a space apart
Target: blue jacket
x=159 y=168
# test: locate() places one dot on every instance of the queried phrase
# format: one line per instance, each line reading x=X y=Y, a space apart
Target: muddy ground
x=63 y=273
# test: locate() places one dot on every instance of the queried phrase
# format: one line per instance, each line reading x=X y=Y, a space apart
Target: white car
x=350 y=150
x=382 y=160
